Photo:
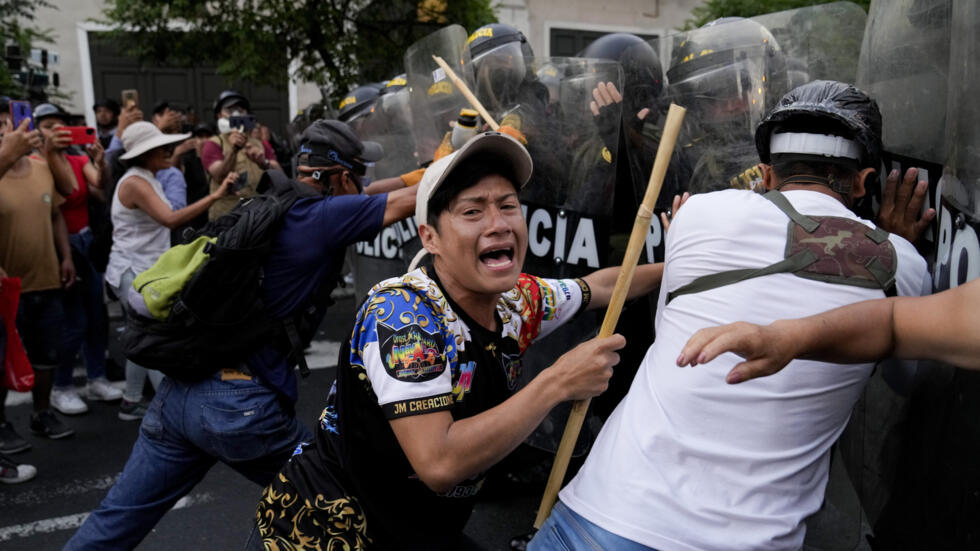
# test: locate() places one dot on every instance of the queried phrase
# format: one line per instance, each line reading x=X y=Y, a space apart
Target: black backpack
x=216 y=318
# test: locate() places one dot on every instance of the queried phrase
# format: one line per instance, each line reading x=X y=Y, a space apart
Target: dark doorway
x=569 y=42
x=112 y=72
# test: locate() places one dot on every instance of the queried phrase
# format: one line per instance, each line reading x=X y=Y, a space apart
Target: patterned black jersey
x=412 y=352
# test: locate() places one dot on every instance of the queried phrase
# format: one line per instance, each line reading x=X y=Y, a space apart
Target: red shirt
x=75 y=207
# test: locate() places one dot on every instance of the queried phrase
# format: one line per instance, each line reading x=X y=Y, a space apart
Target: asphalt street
x=75 y=473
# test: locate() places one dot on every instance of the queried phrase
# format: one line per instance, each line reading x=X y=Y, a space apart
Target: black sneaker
x=10 y=441
x=45 y=423
x=12 y=472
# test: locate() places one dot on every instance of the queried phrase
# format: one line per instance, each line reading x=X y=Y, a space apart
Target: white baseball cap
x=142 y=136
x=507 y=149
x=502 y=146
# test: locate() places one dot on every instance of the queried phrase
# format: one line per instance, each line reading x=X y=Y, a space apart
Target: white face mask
x=224 y=125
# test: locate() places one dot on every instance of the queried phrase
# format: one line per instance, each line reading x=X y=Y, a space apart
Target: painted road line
x=71 y=522
x=39 y=495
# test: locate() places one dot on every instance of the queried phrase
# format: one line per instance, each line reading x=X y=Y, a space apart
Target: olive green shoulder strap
x=794 y=263
x=790 y=264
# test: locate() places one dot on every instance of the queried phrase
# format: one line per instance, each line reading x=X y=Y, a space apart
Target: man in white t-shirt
x=689 y=462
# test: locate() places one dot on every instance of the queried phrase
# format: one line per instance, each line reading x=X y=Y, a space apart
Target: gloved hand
x=513 y=133
x=412 y=178
x=445 y=148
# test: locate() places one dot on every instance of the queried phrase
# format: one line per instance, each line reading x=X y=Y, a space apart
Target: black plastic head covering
x=49 y=110
x=329 y=143
x=835 y=101
x=228 y=98
x=357 y=102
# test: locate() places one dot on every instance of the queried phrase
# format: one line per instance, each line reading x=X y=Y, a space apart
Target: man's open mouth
x=498 y=258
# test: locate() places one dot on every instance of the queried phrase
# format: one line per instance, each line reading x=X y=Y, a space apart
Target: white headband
x=814 y=144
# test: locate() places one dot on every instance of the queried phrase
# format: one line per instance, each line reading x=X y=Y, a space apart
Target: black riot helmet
x=495 y=36
x=357 y=102
x=229 y=98
x=823 y=103
x=729 y=69
x=501 y=62
x=395 y=84
x=643 y=76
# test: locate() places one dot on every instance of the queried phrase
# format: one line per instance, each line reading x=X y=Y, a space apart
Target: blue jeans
x=188 y=427
x=85 y=316
x=566 y=530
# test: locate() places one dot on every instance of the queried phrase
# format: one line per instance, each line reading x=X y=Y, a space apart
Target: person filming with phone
x=83 y=303
x=34 y=247
x=233 y=150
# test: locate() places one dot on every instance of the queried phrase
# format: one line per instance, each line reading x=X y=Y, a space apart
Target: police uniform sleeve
x=405 y=355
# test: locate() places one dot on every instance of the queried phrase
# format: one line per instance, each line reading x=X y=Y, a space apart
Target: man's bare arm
x=646 y=279
x=54 y=152
x=400 y=204
x=943 y=327
x=445 y=452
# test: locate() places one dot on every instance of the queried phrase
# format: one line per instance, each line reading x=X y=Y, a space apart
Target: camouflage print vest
x=825 y=248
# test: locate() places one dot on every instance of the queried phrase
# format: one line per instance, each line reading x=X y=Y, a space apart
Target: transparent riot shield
x=435 y=101
x=904 y=66
x=569 y=199
x=727 y=75
x=388 y=122
x=933 y=497
x=568 y=203
x=820 y=42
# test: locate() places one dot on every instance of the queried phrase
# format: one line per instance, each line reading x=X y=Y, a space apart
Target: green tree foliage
x=17 y=29
x=713 y=9
x=334 y=43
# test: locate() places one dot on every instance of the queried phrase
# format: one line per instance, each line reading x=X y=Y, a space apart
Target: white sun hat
x=142 y=136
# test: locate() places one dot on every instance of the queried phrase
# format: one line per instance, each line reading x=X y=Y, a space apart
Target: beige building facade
x=73 y=23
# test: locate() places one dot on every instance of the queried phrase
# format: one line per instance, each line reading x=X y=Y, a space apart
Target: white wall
x=536 y=18
x=65 y=21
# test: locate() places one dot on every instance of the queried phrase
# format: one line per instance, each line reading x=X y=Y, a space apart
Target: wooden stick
x=637 y=239
x=467 y=93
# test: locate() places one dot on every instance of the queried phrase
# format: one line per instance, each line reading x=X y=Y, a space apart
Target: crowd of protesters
x=429 y=395
x=79 y=221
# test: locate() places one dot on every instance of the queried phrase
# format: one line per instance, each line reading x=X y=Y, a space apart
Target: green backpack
x=160 y=286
